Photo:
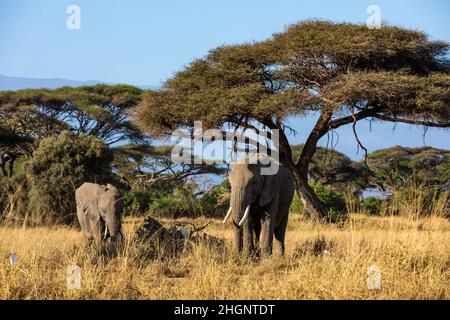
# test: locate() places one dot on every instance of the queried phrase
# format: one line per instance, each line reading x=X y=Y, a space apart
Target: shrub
x=15 y=193
x=58 y=167
x=372 y=205
x=216 y=201
x=297 y=206
x=415 y=200
x=331 y=198
x=137 y=202
x=181 y=203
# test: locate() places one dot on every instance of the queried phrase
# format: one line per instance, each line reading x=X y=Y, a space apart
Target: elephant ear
x=269 y=190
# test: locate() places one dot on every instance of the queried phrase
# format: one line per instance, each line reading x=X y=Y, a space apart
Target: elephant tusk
x=106 y=232
x=244 y=218
x=227 y=216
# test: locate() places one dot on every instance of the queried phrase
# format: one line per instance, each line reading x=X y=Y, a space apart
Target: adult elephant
x=259 y=206
x=99 y=211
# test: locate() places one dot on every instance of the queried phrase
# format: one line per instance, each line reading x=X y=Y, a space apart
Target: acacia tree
x=392 y=169
x=143 y=166
x=30 y=115
x=330 y=167
x=345 y=72
x=100 y=110
x=10 y=141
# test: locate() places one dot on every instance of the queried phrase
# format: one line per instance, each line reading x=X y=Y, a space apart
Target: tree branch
x=414 y=122
x=354 y=117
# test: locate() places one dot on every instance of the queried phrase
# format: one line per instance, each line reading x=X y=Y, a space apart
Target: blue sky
x=143 y=42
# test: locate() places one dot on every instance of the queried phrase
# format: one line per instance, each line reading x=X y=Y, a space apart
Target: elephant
x=99 y=211
x=259 y=207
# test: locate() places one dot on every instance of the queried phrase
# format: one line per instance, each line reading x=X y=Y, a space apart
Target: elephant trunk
x=240 y=211
x=113 y=228
x=115 y=239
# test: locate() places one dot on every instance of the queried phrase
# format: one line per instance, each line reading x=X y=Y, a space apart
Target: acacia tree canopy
x=331 y=167
x=100 y=110
x=143 y=166
x=346 y=72
x=392 y=169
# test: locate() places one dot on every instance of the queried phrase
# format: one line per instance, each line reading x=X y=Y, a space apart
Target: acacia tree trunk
x=314 y=207
x=313 y=204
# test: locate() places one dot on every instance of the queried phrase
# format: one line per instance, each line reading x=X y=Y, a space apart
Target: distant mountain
x=18 y=83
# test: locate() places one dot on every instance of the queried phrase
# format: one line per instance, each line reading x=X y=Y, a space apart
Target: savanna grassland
x=321 y=262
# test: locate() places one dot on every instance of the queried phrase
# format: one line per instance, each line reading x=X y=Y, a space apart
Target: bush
x=216 y=201
x=297 y=206
x=58 y=167
x=415 y=200
x=15 y=192
x=181 y=203
x=137 y=202
x=330 y=197
x=372 y=205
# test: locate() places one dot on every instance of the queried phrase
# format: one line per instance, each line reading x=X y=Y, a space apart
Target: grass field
x=321 y=262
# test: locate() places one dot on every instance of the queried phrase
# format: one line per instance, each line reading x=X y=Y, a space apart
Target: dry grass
x=322 y=262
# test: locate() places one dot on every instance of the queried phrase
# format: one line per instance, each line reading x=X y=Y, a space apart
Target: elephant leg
x=237 y=234
x=267 y=230
x=256 y=233
x=280 y=234
x=248 y=248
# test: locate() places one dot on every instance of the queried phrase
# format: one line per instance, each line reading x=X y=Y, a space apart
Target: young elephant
x=259 y=207
x=99 y=211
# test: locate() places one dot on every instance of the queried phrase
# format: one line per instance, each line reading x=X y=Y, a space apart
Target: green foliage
x=422 y=199
x=334 y=216
x=330 y=167
x=297 y=206
x=397 y=167
x=181 y=203
x=15 y=191
x=129 y=157
x=333 y=200
x=58 y=167
x=216 y=201
x=9 y=138
x=346 y=72
x=372 y=205
x=330 y=197
x=137 y=201
x=100 y=110
x=311 y=65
